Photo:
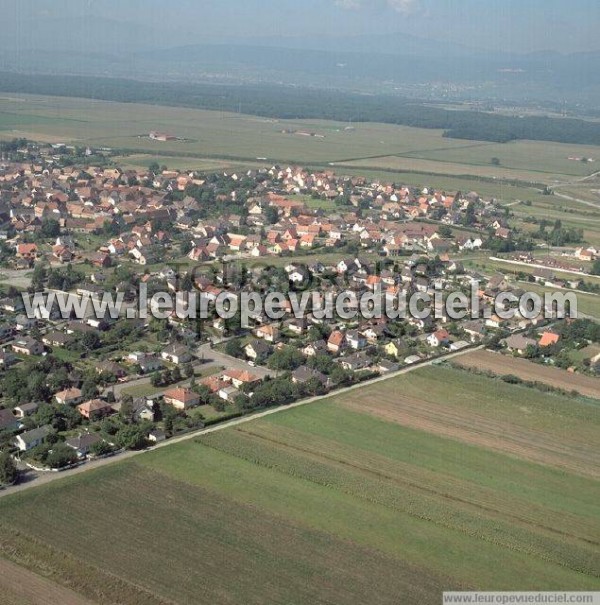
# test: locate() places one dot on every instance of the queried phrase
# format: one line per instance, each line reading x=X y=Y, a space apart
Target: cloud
x=403 y=6
x=400 y=6
x=348 y=4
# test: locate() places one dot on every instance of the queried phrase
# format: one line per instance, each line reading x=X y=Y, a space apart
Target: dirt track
x=18 y=586
x=527 y=370
x=475 y=429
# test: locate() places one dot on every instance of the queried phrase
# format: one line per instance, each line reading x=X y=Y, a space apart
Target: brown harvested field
x=520 y=428
x=18 y=586
x=526 y=370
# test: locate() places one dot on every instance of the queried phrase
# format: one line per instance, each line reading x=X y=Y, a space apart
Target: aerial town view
x=299 y=302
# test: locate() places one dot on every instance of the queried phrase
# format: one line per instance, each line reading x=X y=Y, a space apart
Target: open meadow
x=394 y=492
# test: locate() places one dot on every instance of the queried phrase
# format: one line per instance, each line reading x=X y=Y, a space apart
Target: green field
x=383 y=495
x=226 y=136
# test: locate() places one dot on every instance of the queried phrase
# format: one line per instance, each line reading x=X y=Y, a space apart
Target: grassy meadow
x=394 y=492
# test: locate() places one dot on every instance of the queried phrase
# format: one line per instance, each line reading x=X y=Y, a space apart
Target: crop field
x=526 y=370
x=226 y=136
x=393 y=492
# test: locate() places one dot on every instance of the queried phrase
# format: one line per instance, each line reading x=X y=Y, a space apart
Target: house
x=548 y=339
x=157 y=436
x=24 y=323
x=101 y=260
x=269 y=333
x=29 y=439
x=27 y=346
x=56 y=339
x=356 y=362
x=313 y=349
x=27 y=251
x=228 y=393
x=240 y=378
x=336 y=342
x=395 y=348
x=8 y=421
x=438 y=338
x=257 y=349
x=182 y=399
x=387 y=367
x=149 y=364
x=26 y=409
x=459 y=345
x=69 y=397
x=143 y=409
x=111 y=368
x=519 y=343
x=95 y=409
x=176 y=354
x=356 y=340
x=7 y=359
x=83 y=443
x=304 y=374
x=474 y=329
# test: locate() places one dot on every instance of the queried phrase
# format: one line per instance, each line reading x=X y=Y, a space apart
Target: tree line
x=296 y=103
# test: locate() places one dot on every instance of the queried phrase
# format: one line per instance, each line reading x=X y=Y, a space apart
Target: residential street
x=33 y=479
x=208 y=358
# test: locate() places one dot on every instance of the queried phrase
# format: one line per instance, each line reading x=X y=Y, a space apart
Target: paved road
x=208 y=359
x=34 y=480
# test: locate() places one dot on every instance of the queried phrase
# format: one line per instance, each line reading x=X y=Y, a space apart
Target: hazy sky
x=518 y=25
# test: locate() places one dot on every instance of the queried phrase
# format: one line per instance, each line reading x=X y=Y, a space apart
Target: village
x=74 y=389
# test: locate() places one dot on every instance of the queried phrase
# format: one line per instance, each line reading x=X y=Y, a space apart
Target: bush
x=60 y=456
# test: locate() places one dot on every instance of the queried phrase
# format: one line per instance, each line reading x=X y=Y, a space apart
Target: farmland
x=212 y=139
x=393 y=492
x=526 y=370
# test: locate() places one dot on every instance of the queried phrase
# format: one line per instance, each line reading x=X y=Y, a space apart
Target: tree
x=445 y=231
x=234 y=348
x=126 y=411
x=286 y=359
x=185 y=247
x=596 y=267
x=60 y=456
x=204 y=393
x=8 y=470
x=101 y=448
x=50 y=228
x=495 y=161
x=131 y=437
x=271 y=215
x=89 y=390
x=90 y=341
